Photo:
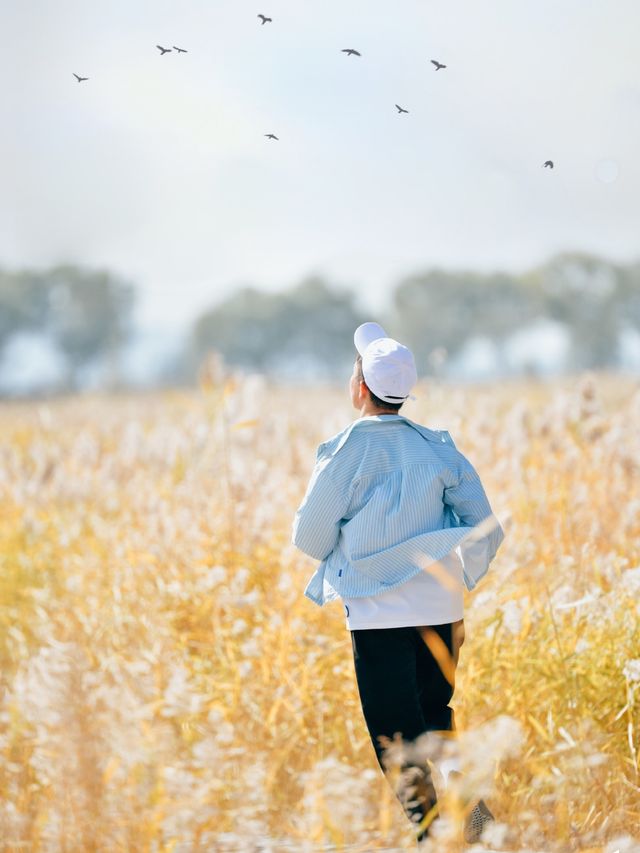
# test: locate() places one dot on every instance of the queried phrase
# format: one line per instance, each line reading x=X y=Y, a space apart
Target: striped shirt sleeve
x=317 y=522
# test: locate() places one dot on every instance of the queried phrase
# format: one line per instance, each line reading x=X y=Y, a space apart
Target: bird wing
x=75 y=75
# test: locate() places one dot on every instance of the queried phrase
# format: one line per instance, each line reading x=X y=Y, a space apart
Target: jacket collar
x=330 y=448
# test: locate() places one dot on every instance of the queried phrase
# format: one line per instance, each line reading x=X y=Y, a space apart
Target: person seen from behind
x=401 y=523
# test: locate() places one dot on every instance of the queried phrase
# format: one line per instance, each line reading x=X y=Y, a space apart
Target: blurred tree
x=587 y=294
x=440 y=309
x=23 y=303
x=594 y=298
x=307 y=330
x=89 y=317
x=85 y=313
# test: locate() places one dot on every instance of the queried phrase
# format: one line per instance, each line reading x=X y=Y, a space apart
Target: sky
x=157 y=167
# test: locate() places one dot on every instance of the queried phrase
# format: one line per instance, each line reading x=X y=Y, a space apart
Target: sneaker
x=475 y=822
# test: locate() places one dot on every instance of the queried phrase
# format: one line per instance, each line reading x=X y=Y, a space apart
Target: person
x=400 y=521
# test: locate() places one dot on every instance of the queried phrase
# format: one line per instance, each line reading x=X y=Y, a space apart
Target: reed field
x=166 y=686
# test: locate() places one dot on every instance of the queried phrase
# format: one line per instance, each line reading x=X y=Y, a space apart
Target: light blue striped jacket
x=388 y=497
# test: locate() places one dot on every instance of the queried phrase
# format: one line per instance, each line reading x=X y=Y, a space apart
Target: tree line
x=436 y=312
x=306 y=330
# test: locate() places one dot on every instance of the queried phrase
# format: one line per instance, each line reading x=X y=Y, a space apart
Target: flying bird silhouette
x=163 y=50
x=180 y=49
x=437 y=64
x=548 y=163
x=400 y=109
x=271 y=136
x=350 y=51
x=264 y=19
x=79 y=79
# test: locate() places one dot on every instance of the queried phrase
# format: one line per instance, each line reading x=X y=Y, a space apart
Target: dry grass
x=166 y=686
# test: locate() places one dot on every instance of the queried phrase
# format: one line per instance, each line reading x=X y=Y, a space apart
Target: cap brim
x=365 y=334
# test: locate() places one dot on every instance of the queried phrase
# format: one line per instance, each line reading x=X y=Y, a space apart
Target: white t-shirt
x=428 y=598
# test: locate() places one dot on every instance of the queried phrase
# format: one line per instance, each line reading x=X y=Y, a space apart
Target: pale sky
x=157 y=166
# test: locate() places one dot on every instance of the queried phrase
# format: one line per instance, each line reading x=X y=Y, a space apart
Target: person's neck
x=366 y=412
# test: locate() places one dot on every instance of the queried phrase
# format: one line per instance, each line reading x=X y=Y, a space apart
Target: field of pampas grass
x=165 y=685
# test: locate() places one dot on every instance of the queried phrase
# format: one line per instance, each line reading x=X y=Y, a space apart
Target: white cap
x=388 y=367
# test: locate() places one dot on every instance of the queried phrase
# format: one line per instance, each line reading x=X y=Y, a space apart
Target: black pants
x=406 y=680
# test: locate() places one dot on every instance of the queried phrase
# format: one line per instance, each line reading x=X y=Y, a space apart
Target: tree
x=23 y=303
x=89 y=316
x=445 y=309
x=307 y=329
x=586 y=293
x=593 y=298
x=85 y=313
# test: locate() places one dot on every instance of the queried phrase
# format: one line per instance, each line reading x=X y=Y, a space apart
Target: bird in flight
x=548 y=163
x=437 y=64
x=264 y=19
x=79 y=79
x=271 y=136
x=400 y=109
x=350 y=51
x=180 y=49
x=163 y=50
